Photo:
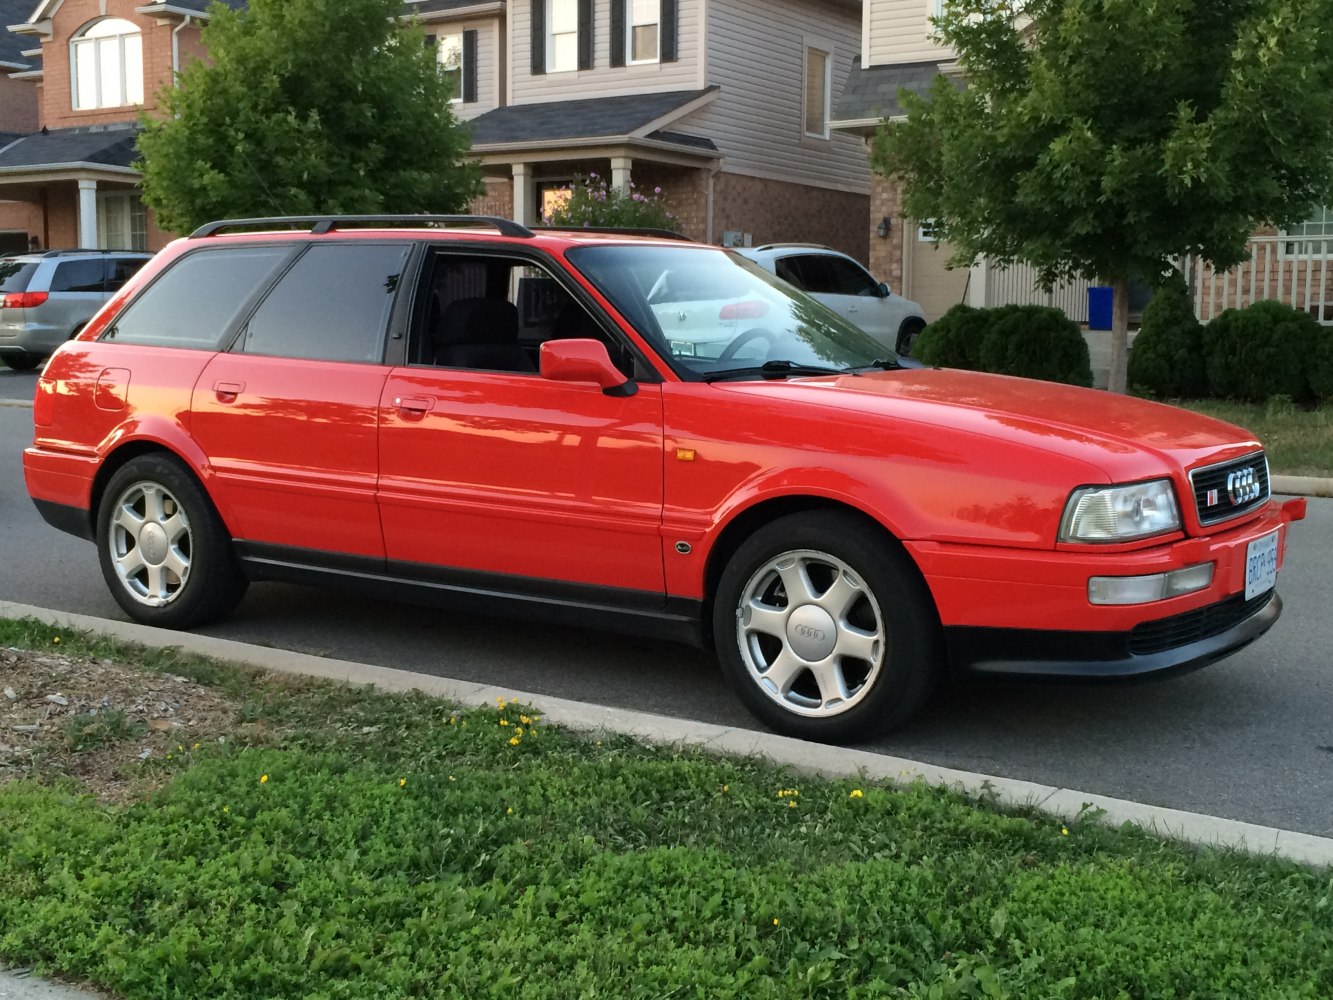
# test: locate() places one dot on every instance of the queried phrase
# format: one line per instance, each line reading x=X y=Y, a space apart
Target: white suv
x=847 y=288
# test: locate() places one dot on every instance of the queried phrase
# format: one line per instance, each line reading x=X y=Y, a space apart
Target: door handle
x=228 y=391
x=413 y=406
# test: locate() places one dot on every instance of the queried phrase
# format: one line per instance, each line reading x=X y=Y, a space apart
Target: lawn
x=181 y=828
x=1299 y=441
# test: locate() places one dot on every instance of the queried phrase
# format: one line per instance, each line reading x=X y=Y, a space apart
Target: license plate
x=1260 y=565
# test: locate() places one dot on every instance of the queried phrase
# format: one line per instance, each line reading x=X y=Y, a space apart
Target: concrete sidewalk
x=1060 y=803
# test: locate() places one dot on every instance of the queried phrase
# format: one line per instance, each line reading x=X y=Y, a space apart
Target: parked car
x=496 y=420
x=847 y=288
x=46 y=298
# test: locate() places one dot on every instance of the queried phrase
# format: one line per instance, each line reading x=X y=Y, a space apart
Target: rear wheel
x=825 y=629
x=21 y=362
x=164 y=550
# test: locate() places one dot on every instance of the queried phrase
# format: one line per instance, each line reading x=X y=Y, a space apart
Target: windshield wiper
x=780 y=368
x=883 y=364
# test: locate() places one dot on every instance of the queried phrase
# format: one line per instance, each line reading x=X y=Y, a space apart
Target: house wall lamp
x=884 y=228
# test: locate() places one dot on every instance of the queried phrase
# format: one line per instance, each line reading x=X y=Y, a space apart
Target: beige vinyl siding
x=490 y=62
x=604 y=80
x=899 y=31
x=756 y=54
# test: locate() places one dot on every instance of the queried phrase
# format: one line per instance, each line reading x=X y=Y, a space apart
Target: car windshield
x=15 y=274
x=713 y=314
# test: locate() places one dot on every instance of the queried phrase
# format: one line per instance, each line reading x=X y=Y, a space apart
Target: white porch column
x=88 y=214
x=621 y=167
x=976 y=284
x=523 y=194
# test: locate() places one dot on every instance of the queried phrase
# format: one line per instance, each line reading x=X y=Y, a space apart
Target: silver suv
x=847 y=288
x=45 y=298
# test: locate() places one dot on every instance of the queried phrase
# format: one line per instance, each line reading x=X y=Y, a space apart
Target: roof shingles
x=110 y=146
x=591 y=118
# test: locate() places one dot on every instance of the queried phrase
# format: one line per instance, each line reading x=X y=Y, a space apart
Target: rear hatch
x=15 y=299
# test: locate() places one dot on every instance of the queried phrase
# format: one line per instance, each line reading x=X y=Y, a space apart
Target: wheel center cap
x=153 y=544
x=811 y=633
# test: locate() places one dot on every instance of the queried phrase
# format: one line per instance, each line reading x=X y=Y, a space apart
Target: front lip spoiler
x=1043 y=653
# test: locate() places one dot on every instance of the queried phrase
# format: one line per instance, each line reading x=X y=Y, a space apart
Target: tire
x=865 y=596
x=21 y=362
x=907 y=334
x=183 y=572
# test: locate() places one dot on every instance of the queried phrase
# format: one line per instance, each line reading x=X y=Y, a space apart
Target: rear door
x=288 y=415
x=846 y=288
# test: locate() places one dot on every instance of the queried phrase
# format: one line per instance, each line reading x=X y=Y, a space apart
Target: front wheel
x=825 y=629
x=164 y=550
x=907 y=334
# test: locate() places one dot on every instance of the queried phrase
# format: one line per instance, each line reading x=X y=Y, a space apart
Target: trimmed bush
x=1028 y=341
x=1266 y=349
x=1321 y=372
x=1167 y=360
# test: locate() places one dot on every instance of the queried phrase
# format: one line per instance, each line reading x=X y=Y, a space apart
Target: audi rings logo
x=809 y=632
x=1242 y=487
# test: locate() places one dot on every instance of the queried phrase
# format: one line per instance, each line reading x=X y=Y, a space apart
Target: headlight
x=1120 y=513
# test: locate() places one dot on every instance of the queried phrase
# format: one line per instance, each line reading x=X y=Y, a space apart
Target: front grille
x=1180 y=630
x=1230 y=489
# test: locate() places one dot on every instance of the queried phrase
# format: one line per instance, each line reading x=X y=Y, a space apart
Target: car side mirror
x=584 y=360
x=884 y=290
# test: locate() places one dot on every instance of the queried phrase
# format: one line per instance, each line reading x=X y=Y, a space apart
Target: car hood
x=1127 y=438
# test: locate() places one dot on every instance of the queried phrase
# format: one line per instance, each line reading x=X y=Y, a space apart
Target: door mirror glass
x=584 y=360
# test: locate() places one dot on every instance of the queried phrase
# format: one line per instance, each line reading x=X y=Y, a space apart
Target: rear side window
x=15 y=275
x=333 y=305
x=80 y=276
x=121 y=270
x=195 y=301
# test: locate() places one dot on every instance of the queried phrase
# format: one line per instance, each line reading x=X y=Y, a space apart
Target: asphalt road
x=1250 y=738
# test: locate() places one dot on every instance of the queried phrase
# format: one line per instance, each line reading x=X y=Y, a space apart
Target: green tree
x=1103 y=138
x=304 y=107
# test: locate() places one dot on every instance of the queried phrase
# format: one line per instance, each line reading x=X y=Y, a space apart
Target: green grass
x=1299 y=442
x=442 y=855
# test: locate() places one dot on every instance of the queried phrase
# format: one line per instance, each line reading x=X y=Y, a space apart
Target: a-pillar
x=621 y=168
x=524 y=194
x=88 y=214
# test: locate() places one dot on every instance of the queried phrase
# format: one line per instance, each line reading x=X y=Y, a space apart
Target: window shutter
x=668 y=30
x=618 y=32
x=585 y=34
x=470 y=67
x=538 y=37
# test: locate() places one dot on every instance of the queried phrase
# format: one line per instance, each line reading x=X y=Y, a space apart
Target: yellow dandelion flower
x=518 y=731
x=196 y=746
x=263 y=779
x=524 y=719
x=402 y=782
x=514 y=741
x=452 y=778
x=791 y=805
x=509 y=810
x=500 y=701
x=513 y=701
x=532 y=732
x=856 y=793
x=775 y=921
x=726 y=788
x=56 y=640
x=168 y=756
x=226 y=809
x=180 y=748
x=504 y=722
x=598 y=743
x=1064 y=831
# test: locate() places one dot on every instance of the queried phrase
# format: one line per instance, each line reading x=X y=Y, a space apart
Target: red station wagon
x=644 y=434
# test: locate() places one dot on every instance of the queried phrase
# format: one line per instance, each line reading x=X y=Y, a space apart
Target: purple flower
x=657 y=190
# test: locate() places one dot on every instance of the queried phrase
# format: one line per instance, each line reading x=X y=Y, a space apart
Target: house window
x=122 y=221
x=1317 y=233
x=450 y=56
x=106 y=65
x=817 y=90
x=562 y=35
x=642 y=30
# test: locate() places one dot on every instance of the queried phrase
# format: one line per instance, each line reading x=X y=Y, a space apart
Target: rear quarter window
x=15 y=275
x=80 y=276
x=195 y=301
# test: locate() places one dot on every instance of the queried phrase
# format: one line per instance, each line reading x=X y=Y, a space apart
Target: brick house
x=724 y=104
x=900 y=51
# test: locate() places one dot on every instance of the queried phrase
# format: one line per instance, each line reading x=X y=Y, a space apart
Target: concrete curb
x=1302 y=486
x=17 y=404
x=1061 y=803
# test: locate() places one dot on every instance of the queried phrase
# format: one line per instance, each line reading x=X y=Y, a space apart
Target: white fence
x=1291 y=269
x=1017 y=285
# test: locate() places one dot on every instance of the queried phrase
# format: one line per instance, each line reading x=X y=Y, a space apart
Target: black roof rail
x=73 y=250
x=320 y=224
x=661 y=234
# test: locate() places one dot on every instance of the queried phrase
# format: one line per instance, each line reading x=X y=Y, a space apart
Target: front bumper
x=1011 y=612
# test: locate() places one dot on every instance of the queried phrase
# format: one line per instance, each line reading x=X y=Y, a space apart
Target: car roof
x=776 y=248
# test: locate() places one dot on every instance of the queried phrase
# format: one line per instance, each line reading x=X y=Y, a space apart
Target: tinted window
x=121 y=270
x=333 y=305
x=850 y=279
x=80 y=276
x=198 y=297
x=809 y=272
x=15 y=274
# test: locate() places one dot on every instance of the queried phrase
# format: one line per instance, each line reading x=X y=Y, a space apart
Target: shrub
x=1266 y=349
x=1167 y=360
x=1028 y=341
x=1321 y=371
x=953 y=340
x=594 y=202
